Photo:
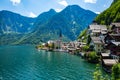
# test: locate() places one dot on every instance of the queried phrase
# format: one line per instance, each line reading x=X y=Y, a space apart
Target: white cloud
x=31 y=14
x=15 y=2
x=63 y=2
x=90 y=1
x=58 y=10
x=97 y=12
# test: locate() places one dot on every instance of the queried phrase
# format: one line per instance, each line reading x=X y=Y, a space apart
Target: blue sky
x=33 y=8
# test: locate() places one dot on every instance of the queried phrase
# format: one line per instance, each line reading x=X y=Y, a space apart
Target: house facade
x=97 y=33
x=97 y=43
x=115 y=27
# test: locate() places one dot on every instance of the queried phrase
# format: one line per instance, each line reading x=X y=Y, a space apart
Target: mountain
x=15 y=23
x=42 y=18
x=70 y=21
x=48 y=25
x=112 y=14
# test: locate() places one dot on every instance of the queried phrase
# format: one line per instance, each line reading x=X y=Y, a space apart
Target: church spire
x=60 y=35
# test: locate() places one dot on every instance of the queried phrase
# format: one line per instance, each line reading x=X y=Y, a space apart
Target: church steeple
x=60 y=39
x=60 y=35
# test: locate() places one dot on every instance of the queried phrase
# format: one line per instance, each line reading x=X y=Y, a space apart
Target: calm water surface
x=27 y=63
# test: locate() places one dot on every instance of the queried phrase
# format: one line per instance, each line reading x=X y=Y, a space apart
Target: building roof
x=98 y=28
x=103 y=32
x=110 y=61
x=96 y=31
x=114 y=34
x=116 y=24
x=116 y=43
x=115 y=37
x=104 y=54
x=94 y=27
x=103 y=27
x=96 y=40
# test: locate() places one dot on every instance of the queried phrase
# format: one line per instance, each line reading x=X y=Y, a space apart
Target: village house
x=112 y=37
x=64 y=45
x=113 y=40
x=115 y=28
x=96 y=30
x=97 y=43
x=97 y=35
x=112 y=43
x=114 y=48
x=57 y=44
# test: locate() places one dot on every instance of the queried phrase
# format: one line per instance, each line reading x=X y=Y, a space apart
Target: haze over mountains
x=17 y=29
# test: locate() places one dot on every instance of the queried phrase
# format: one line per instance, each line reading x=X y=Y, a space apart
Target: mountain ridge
x=71 y=21
x=11 y=22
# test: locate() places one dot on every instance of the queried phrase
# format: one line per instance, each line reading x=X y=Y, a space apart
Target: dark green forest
x=112 y=14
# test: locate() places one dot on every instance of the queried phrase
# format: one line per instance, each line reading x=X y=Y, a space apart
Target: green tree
x=83 y=36
x=85 y=48
x=93 y=57
x=88 y=39
x=116 y=72
x=112 y=14
x=97 y=75
x=51 y=46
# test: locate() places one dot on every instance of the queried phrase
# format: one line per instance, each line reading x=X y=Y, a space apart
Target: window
x=99 y=50
x=98 y=45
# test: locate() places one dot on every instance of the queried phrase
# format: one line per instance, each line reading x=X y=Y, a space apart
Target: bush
x=92 y=57
x=116 y=72
x=98 y=75
x=85 y=48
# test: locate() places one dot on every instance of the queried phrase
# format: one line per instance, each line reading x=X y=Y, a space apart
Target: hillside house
x=97 y=43
x=115 y=28
x=112 y=37
x=96 y=30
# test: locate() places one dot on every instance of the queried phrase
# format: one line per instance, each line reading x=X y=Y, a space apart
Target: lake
x=27 y=63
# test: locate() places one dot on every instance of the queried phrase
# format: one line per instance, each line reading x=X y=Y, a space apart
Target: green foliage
x=93 y=57
x=47 y=27
x=97 y=75
x=88 y=39
x=15 y=22
x=116 y=72
x=85 y=48
x=112 y=14
x=48 y=24
x=83 y=36
x=39 y=46
x=10 y=39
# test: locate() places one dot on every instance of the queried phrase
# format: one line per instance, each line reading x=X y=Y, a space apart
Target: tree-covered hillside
x=11 y=22
x=112 y=14
x=71 y=21
x=17 y=29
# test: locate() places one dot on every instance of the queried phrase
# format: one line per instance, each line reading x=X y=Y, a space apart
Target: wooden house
x=115 y=28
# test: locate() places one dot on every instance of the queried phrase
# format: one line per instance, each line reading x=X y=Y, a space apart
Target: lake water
x=27 y=63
